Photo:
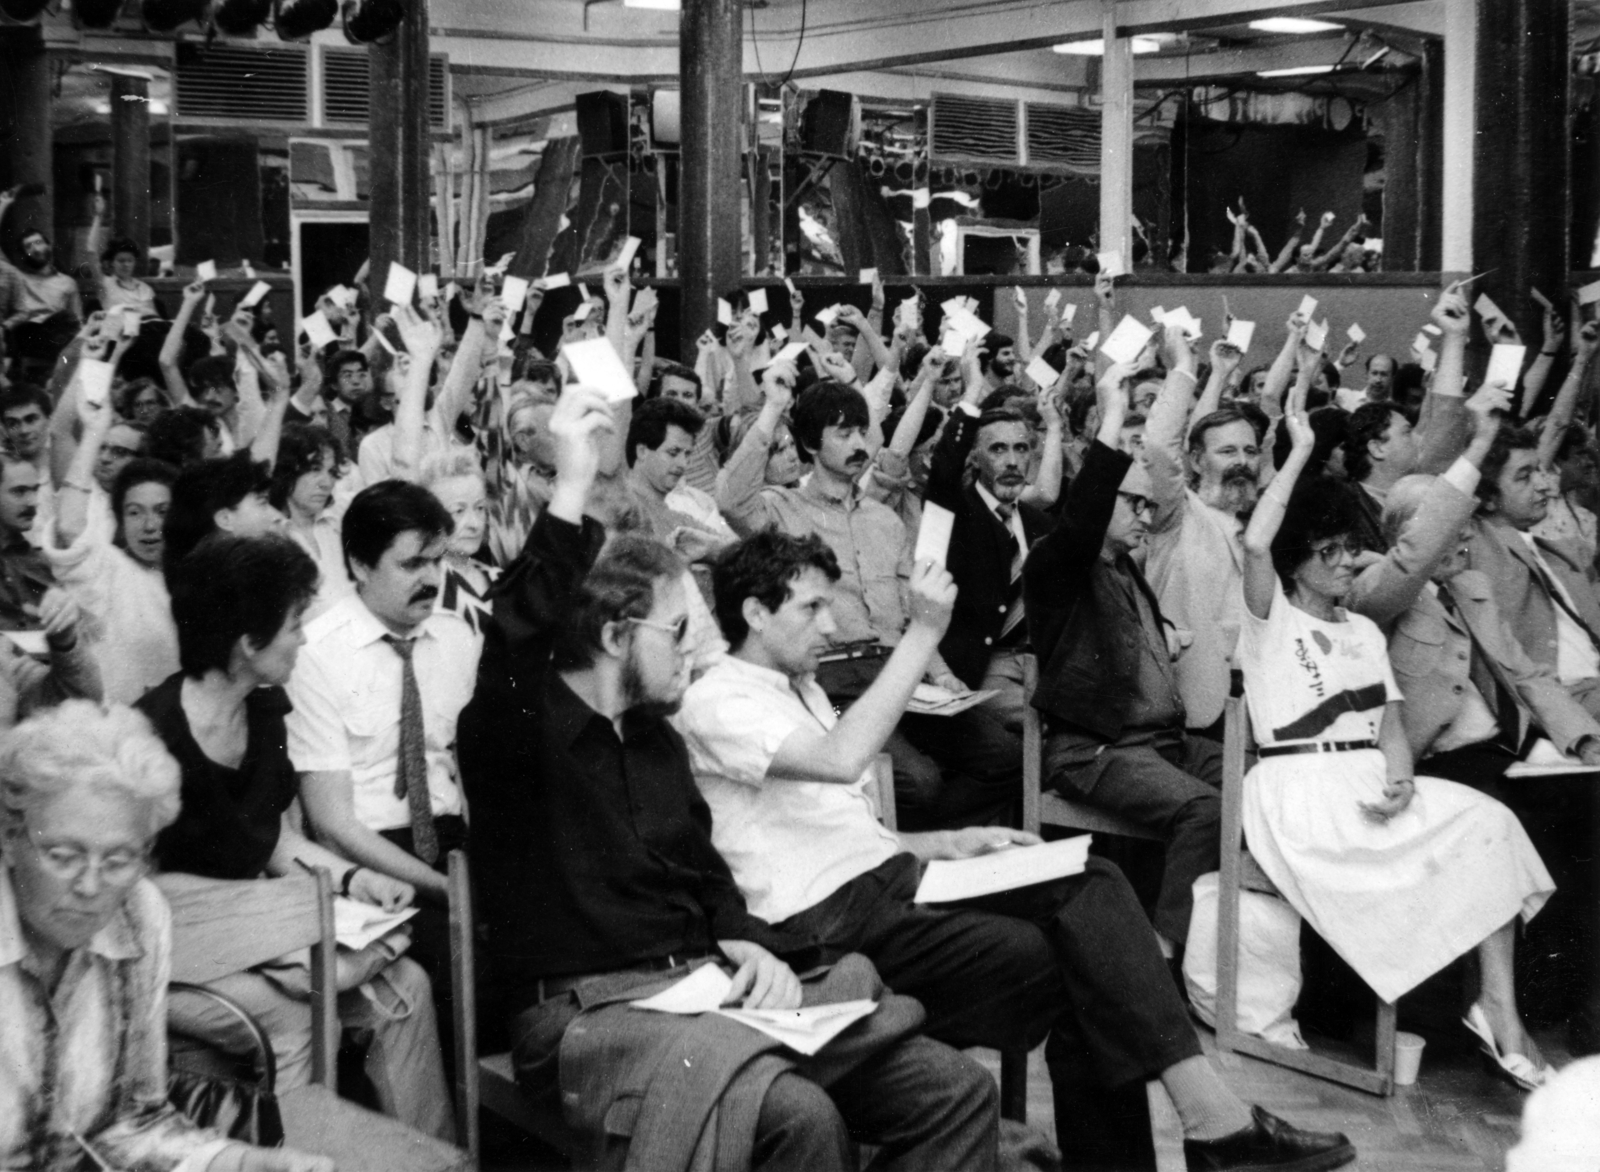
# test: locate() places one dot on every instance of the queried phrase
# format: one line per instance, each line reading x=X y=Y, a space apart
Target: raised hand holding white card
x=1505 y=364
x=1110 y=263
x=1127 y=341
x=1043 y=374
x=254 y=297
x=1317 y=335
x=401 y=285
x=1308 y=306
x=318 y=330
x=206 y=270
x=428 y=286
x=868 y=276
x=595 y=363
x=1357 y=334
x=625 y=257
x=724 y=312
x=1240 y=334
x=514 y=294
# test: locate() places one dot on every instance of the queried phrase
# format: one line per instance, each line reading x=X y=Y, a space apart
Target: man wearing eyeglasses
x=1108 y=691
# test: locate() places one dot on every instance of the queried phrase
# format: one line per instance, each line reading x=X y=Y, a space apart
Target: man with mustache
x=987 y=640
x=949 y=770
x=376 y=692
x=25 y=575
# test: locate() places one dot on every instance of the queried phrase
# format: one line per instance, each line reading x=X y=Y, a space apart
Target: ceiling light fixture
x=1297 y=71
x=1097 y=47
x=1293 y=24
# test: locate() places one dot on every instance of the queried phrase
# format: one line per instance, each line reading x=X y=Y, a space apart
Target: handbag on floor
x=239 y=1109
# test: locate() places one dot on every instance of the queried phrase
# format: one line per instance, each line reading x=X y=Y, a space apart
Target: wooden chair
x=486 y=1082
x=1041 y=809
x=1240 y=872
x=220 y=928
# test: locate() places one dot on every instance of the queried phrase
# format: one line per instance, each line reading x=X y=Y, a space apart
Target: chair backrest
x=464 y=987
x=882 y=791
x=222 y=927
x=1032 y=749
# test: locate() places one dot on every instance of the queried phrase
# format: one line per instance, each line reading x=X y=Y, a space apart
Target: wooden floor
x=1457 y=1118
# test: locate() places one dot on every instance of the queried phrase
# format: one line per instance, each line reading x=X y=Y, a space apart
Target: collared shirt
x=870 y=543
x=25 y=575
x=592 y=850
x=789 y=843
x=91 y=1059
x=326 y=548
x=1013 y=523
x=376 y=459
x=346 y=692
x=1577 y=657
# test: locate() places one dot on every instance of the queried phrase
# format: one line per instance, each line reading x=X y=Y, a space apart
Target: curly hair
x=300 y=451
x=1319 y=508
x=764 y=566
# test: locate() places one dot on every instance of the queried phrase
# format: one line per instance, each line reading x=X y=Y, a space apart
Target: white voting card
x=206 y=270
x=318 y=330
x=513 y=295
x=30 y=642
x=595 y=363
x=1110 y=263
x=556 y=280
x=94 y=380
x=427 y=286
x=1317 y=334
x=1127 y=341
x=1356 y=334
x=1308 y=306
x=1505 y=364
x=1043 y=374
x=868 y=276
x=757 y=300
x=401 y=285
x=253 y=298
x=1241 y=334
x=933 y=535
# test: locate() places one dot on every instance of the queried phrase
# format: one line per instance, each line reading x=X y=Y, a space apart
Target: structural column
x=401 y=216
x=130 y=161
x=25 y=129
x=710 y=69
x=1116 y=139
x=1523 y=153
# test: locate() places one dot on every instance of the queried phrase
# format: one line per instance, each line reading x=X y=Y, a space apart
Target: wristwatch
x=349 y=877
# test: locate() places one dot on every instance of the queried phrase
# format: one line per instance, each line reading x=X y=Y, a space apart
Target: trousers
x=403 y=1057
x=1073 y=961
x=1170 y=785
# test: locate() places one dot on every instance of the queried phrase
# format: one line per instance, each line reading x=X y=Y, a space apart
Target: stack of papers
x=950 y=880
x=357 y=924
x=806 y=1030
x=930 y=700
x=1545 y=760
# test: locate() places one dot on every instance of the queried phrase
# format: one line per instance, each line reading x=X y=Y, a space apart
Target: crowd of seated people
x=636 y=650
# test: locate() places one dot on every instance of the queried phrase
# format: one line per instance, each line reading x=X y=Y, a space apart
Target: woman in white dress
x=1400 y=875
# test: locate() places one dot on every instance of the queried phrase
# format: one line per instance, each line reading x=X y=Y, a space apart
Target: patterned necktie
x=411 y=776
x=1012 y=630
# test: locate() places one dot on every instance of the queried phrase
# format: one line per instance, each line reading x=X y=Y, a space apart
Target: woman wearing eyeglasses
x=85 y=955
x=1399 y=874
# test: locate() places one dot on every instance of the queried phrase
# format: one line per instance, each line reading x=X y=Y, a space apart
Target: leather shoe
x=1269 y=1145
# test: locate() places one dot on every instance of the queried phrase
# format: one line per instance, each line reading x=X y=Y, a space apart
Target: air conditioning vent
x=1066 y=136
x=346 y=98
x=976 y=129
x=229 y=80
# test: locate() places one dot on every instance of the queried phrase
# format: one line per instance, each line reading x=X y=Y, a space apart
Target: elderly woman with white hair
x=85 y=955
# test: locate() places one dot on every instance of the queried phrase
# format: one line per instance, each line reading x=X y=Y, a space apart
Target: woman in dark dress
x=238 y=604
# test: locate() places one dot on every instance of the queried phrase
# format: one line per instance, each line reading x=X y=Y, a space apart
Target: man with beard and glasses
x=1108 y=690
x=1202 y=498
x=376 y=693
x=599 y=885
x=949 y=770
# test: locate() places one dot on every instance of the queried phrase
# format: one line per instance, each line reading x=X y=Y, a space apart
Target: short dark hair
x=228 y=588
x=299 y=451
x=124 y=399
x=1221 y=417
x=764 y=566
x=620 y=585
x=651 y=420
x=383 y=511
x=1506 y=441
x=26 y=395
x=1367 y=422
x=200 y=490
x=1010 y=413
x=994 y=342
x=824 y=405
x=214 y=370
x=137 y=471
x=178 y=435
x=930 y=425
x=531 y=368
x=1320 y=507
x=344 y=358
x=666 y=368
x=117 y=247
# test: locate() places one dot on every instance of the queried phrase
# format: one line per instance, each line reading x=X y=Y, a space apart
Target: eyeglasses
x=117 y=868
x=1331 y=552
x=1139 y=504
x=678 y=630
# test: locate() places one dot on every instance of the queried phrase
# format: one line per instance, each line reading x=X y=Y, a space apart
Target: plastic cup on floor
x=1407 y=1058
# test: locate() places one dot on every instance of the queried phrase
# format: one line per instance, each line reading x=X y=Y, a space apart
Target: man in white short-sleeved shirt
x=348 y=689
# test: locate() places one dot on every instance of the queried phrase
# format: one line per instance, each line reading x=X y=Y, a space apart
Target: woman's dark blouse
x=231 y=817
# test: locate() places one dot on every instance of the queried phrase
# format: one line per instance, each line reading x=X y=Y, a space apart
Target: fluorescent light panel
x=1297 y=71
x=1293 y=24
x=1097 y=47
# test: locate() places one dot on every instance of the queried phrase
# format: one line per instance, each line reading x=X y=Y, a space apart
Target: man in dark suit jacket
x=988 y=634
x=1114 y=721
